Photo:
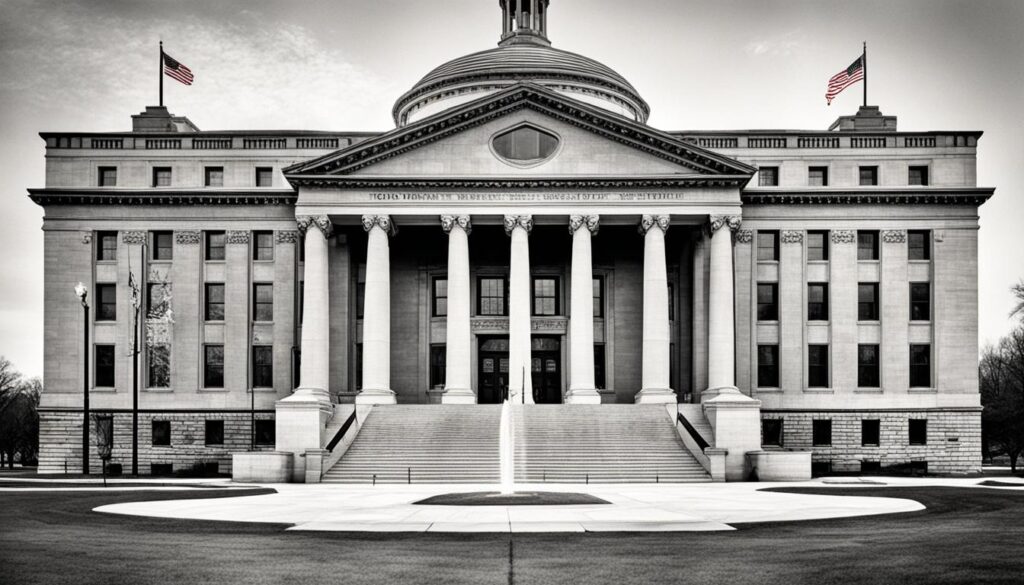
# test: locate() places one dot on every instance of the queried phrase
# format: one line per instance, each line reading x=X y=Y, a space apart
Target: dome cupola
x=523 y=54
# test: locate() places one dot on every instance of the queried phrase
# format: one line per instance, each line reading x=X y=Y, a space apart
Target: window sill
x=214 y=322
x=819 y=322
x=868 y=390
x=819 y=391
x=869 y=322
x=821 y=262
x=263 y=390
x=212 y=390
x=768 y=390
x=859 y=261
x=158 y=390
x=264 y=261
x=155 y=261
x=768 y=322
x=917 y=390
x=769 y=262
x=103 y=390
x=262 y=323
x=208 y=261
x=107 y=262
x=920 y=322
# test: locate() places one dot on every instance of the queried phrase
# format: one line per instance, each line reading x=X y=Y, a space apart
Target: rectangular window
x=817 y=176
x=545 y=296
x=265 y=432
x=817 y=301
x=918 y=431
x=215 y=245
x=768 y=366
x=920 y=366
x=262 y=366
x=598 y=296
x=918 y=176
x=821 y=432
x=599 y=365
x=440 y=293
x=867 y=245
x=438 y=364
x=767 y=301
x=161 y=176
x=213 y=366
x=867 y=301
x=870 y=467
x=106 y=246
x=161 y=433
x=214 y=176
x=817 y=245
x=867 y=366
x=262 y=302
x=163 y=245
x=214 y=432
x=919 y=245
x=106 y=302
x=107 y=176
x=768 y=176
x=214 y=310
x=817 y=366
x=491 y=300
x=870 y=432
x=920 y=301
x=868 y=176
x=161 y=468
x=104 y=366
x=264 y=177
x=263 y=246
x=771 y=432
x=158 y=359
x=767 y=245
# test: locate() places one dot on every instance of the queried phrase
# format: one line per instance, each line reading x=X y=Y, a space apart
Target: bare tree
x=10 y=382
x=1018 y=292
x=1001 y=375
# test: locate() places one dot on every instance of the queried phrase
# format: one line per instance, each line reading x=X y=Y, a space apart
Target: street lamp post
x=83 y=293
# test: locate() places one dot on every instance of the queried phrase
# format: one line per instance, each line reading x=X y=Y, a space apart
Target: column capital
x=649 y=221
x=448 y=223
x=322 y=222
x=718 y=221
x=514 y=221
x=382 y=221
x=592 y=222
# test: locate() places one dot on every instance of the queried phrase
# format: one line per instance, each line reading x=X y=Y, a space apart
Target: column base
x=384 y=396
x=656 y=396
x=731 y=392
x=458 y=396
x=581 y=396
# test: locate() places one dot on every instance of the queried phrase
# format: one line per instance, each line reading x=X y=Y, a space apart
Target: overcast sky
x=87 y=65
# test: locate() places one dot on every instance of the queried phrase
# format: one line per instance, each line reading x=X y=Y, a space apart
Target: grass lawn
x=965 y=536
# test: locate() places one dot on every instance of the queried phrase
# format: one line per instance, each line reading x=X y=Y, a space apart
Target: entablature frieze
x=498 y=325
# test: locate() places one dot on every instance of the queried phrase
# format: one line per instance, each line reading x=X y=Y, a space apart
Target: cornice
x=926 y=196
x=518 y=97
x=667 y=182
x=57 y=196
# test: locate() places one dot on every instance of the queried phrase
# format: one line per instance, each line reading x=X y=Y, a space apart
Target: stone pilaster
x=655 y=358
x=520 y=383
x=458 y=388
x=581 y=322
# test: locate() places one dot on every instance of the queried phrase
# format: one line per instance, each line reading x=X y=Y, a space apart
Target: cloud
x=784 y=44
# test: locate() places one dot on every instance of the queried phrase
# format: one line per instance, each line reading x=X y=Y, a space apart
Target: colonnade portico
x=376 y=342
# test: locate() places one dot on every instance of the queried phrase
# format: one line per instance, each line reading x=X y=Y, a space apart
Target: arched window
x=525 y=145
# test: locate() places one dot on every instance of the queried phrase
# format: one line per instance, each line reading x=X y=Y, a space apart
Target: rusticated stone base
x=953 y=443
x=60 y=441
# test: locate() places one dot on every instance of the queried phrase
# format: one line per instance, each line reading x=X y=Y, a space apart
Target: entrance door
x=492 y=376
x=546 y=369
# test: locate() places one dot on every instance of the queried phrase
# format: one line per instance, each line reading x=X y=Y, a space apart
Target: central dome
x=524 y=54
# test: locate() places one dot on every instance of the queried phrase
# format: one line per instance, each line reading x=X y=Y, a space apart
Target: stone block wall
x=953 y=443
x=60 y=441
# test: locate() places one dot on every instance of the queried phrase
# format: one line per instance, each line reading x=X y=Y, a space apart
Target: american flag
x=845 y=78
x=176 y=70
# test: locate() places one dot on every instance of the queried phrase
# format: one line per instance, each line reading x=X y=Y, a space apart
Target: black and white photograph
x=511 y=292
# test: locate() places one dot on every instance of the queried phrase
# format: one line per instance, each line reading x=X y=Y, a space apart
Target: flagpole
x=865 y=65
x=161 y=69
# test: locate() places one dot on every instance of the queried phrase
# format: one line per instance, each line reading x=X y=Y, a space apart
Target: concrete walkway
x=647 y=507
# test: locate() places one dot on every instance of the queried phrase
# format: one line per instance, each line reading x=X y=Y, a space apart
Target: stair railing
x=341 y=432
x=697 y=438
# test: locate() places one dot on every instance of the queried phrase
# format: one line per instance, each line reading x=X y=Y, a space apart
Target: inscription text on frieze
x=540 y=197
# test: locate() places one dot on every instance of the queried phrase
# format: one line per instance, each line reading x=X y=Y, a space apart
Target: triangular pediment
x=456 y=141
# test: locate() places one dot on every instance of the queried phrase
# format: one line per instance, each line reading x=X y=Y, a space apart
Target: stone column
x=581 y=321
x=377 y=313
x=302 y=417
x=721 y=320
x=520 y=382
x=458 y=388
x=655 y=362
x=735 y=418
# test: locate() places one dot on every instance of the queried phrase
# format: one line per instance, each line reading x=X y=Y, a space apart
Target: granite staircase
x=435 y=443
x=601 y=443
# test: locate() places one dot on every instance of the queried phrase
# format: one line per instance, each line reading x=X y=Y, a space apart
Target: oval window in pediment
x=525 y=145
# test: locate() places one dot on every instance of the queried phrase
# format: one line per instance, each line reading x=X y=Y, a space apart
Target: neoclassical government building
x=521 y=233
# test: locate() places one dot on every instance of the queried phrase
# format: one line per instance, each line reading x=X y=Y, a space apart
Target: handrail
x=703 y=444
x=341 y=432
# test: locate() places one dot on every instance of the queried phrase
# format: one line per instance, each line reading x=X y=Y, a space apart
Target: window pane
x=817 y=246
x=817 y=176
x=919 y=245
x=868 y=176
x=867 y=245
x=918 y=431
x=264 y=176
x=920 y=301
x=107 y=176
x=817 y=359
x=106 y=246
x=263 y=302
x=159 y=360
x=598 y=297
x=821 y=432
x=161 y=433
x=262 y=366
x=215 y=245
x=214 y=432
x=214 y=176
x=920 y=366
x=768 y=176
x=263 y=246
x=767 y=245
x=918 y=176
x=767 y=303
x=104 y=366
x=768 y=366
x=162 y=177
x=525 y=144
x=771 y=432
x=214 y=366
x=867 y=366
x=265 y=432
x=867 y=301
x=817 y=302
x=870 y=432
x=106 y=302
x=214 y=302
